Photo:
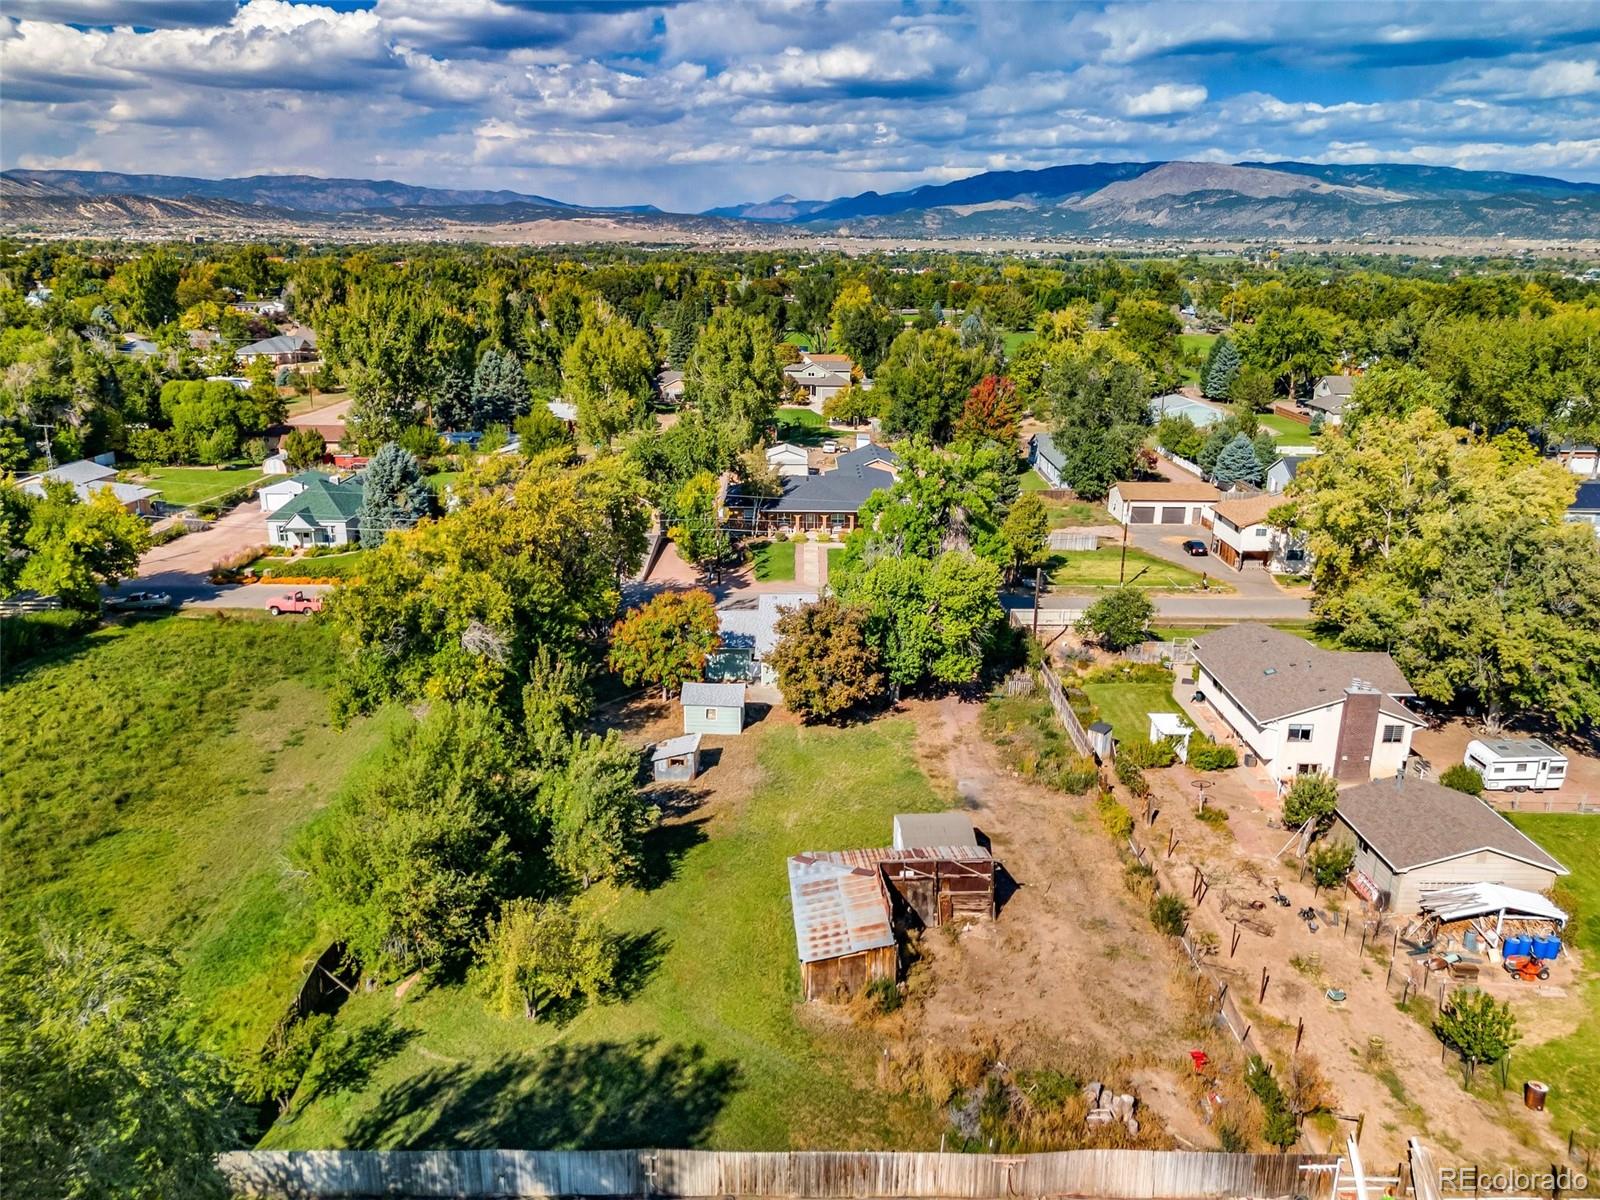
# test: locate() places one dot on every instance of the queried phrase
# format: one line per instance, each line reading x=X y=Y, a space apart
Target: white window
x=711 y=714
x=1393 y=733
x=1300 y=733
x=1307 y=769
x=1557 y=769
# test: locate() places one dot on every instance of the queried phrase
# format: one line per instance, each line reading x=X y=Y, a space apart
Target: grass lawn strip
x=1571 y=1064
x=1127 y=705
x=774 y=561
x=1101 y=569
x=185 y=486
x=723 y=995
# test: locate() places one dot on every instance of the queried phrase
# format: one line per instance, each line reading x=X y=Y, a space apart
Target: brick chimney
x=1358 y=728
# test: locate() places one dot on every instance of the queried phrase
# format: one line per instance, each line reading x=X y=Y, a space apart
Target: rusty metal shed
x=937 y=884
x=843 y=925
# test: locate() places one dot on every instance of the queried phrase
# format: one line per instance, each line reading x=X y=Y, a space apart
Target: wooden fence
x=1068 y=718
x=1535 y=802
x=812 y=1175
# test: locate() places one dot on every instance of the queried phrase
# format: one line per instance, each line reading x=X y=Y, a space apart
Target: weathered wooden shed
x=713 y=707
x=932 y=885
x=843 y=926
x=676 y=760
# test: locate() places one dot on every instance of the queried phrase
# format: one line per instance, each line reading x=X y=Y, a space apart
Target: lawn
x=1017 y=339
x=796 y=338
x=155 y=774
x=1317 y=635
x=774 y=561
x=1200 y=345
x=439 y=480
x=1127 y=705
x=710 y=1048
x=1571 y=1064
x=184 y=486
x=1101 y=568
x=803 y=427
x=1064 y=514
x=1285 y=429
x=316 y=566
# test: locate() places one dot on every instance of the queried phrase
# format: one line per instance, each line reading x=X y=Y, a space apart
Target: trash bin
x=1534 y=1094
x=1249 y=759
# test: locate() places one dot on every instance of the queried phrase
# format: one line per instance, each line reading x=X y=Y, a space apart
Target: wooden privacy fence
x=811 y=1175
x=1068 y=718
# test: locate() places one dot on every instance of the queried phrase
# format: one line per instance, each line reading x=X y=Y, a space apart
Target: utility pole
x=49 y=455
x=1122 y=568
x=1038 y=590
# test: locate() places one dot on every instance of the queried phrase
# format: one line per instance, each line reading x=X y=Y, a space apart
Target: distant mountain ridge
x=1247 y=200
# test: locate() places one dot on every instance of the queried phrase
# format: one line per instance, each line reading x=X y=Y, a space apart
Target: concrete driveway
x=1166 y=541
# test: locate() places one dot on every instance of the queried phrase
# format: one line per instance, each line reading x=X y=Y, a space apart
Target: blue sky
x=692 y=104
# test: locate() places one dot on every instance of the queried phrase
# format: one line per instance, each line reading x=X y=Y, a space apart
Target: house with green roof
x=324 y=513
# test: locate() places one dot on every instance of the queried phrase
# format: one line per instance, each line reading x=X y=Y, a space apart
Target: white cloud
x=1165 y=99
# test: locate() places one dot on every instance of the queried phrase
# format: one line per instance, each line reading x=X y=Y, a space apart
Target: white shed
x=1174 y=726
x=1516 y=764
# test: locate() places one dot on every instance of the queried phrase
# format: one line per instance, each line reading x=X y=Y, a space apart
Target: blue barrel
x=1516 y=946
x=1547 y=947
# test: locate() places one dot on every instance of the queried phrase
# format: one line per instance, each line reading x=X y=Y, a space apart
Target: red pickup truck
x=294 y=602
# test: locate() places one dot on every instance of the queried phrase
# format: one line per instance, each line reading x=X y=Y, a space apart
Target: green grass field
x=439 y=480
x=1286 y=429
x=709 y=1047
x=1199 y=344
x=1127 y=705
x=803 y=427
x=1064 y=514
x=155 y=774
x=1016 y=339
x=1100 y=568
x=795 y=338
x=196 y=485
x=774 y=561
x=1571 y=1064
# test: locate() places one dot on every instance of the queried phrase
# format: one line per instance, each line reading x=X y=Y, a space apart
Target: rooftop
x=1519 y=748
x=283 y=343
x=322 y=502
x=675 y=747
x=1273 y=674
x=1411 y=822
x=1249 y=510
x=933 y=829
x=1587 y=499
x=1199 y=491
x=713 y=695
x=838 y=909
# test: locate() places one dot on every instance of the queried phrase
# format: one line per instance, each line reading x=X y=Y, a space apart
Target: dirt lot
x=1445 y=745
x=1383 y=1061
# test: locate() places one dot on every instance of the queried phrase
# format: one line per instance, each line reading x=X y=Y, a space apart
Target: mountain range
x=1140 y=199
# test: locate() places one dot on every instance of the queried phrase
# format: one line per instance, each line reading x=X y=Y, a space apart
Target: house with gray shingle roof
x=1410 y=834
x=1304 y=710
x=827 y=501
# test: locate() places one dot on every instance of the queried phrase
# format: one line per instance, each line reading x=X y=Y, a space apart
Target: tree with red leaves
x=992 y=412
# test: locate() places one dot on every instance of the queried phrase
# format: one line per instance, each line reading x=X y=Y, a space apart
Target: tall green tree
x=861 y=327
x=538 y=954
x=1221 y=369
x=1024 y=533
x=1294 y=344
x=596 y=814
x=1119 y=619
x=925 y=382
x=1238 y=463
x=106 y=1096
x=1097 y=400
x=394 y=494
x=608 y=372
x=499 y=390
x=73 y=547
x=825 y=660
x=734 y=377
x=665 y=642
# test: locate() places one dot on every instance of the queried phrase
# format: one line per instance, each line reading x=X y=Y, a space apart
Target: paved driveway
x=1166 y=541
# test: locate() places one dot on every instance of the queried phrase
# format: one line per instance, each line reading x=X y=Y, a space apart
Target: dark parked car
x=1195 y=548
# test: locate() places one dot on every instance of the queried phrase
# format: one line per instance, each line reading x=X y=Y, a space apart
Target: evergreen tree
x=393 y=494
x=452 y=407
x=1237 y=463
x=499 y=389
x=685 y=332
x=1222 y=364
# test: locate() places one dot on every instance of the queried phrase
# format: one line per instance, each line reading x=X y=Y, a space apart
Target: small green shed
x=713 y=707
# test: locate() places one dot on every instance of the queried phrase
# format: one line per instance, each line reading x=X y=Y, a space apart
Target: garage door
x=1141 y=515
x=1174 y=516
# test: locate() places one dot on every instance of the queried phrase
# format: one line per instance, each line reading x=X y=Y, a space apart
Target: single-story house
x=713 y=707
x=1240 y=535
x=1329 y=395
x=843 y=926
x=749 y=635
x=1045 y=458
x=1585 y=507
x=325 y=513
x=1163 y=502
x=1282 y=471
x=87 y=478
x=1411 y=834
x=1304 y=710
x=669 y=386
x=137 y=347
x=282 y=350
x=279 y=492
x=830 y=500
x=676 y=760
x=1581 y=458
x=788 y=459
x=261 y=308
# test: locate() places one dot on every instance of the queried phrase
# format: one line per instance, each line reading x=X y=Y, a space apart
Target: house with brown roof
x=1163 y=502
x=1411 y=835
x=1304 y=710
x=1240 y=535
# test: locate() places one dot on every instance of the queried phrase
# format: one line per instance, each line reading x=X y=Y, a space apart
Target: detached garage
x=1411 y=835
x=1162 y=503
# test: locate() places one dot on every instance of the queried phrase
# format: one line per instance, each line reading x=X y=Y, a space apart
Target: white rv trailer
x=1516 y=764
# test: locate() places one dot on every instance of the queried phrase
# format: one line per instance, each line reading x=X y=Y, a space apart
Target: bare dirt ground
x=1399 y=1083
x=1446 y=744
x=1072 y=966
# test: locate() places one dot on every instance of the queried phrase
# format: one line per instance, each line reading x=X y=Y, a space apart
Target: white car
x=830 y=447
x=139 y=600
